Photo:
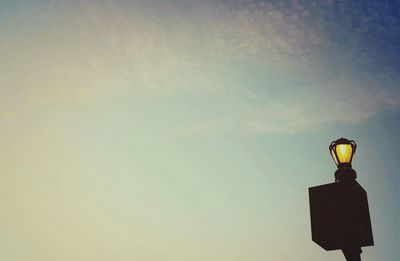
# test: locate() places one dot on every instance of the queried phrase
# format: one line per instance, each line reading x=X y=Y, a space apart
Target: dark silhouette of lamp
x=339 y=211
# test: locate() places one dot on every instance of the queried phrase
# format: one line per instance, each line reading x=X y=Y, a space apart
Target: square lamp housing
x=340 y=216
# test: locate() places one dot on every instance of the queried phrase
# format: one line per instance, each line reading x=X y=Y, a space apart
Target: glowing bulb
x=344 y=152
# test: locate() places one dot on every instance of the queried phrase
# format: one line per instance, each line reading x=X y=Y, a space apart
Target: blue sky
x=191 y=130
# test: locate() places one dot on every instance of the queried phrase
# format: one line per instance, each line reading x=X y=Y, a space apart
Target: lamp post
x=339 y=211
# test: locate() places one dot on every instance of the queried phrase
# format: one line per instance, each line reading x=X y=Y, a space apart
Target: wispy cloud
x=267 y=67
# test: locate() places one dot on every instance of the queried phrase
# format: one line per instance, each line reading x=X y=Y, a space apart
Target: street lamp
x=342 y=151
x=339 y=211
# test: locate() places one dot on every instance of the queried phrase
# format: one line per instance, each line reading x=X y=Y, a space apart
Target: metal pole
x=352 y=253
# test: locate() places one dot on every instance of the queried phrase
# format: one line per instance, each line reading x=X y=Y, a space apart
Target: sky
x=191 y=130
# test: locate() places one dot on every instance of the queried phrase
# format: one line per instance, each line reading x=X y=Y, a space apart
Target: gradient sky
x=191 y=130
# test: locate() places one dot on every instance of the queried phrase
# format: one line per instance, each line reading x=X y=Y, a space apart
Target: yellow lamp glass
x=344 y=153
